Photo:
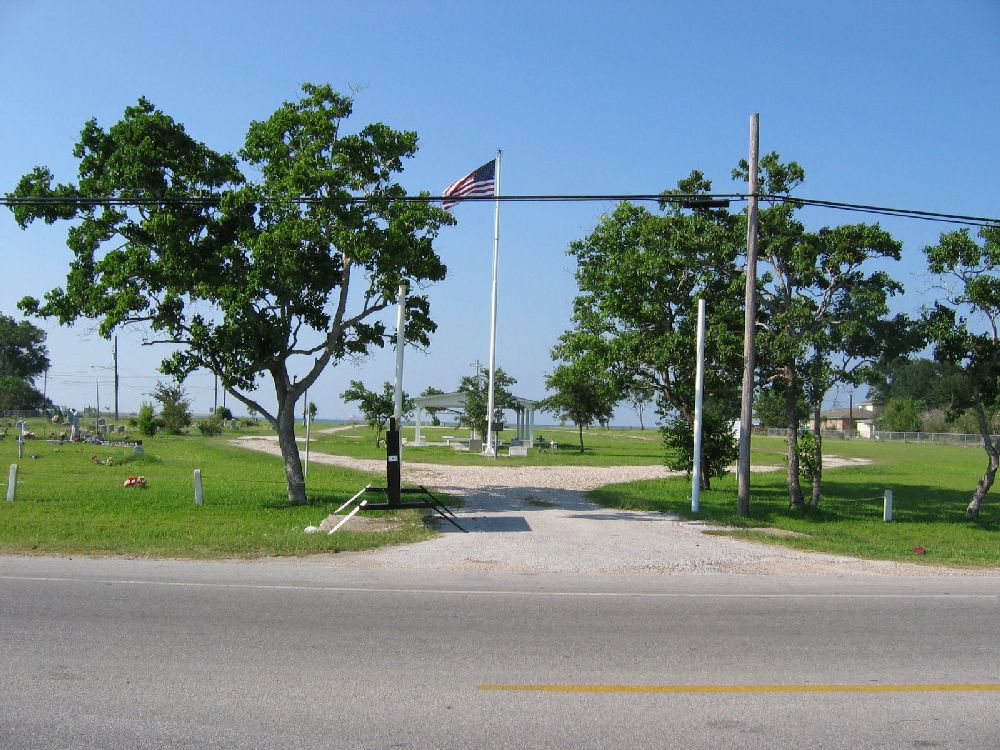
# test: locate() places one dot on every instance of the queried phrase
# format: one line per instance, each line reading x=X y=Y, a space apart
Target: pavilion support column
x=416 y=436
x=531 y=425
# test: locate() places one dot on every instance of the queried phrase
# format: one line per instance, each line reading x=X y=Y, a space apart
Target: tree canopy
x=640 y=274
x=175 y=407
x=939 y=385
x=476 y=388
x=284 y=252
x=22 y=349
x=582 y=393
x=376 y=406
x=970 y=294
x=823 y=313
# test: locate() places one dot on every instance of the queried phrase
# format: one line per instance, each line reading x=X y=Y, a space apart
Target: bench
x=449 y=439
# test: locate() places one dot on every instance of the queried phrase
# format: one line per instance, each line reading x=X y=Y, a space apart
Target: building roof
x=456 y=400
x=859 y=415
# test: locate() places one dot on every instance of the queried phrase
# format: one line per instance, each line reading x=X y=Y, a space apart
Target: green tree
x=769 y=406
x=476 y=388
x=823 y=314
x=22 y=349
x=376 y=407
x=18 y=393
x=147 y=419
x=639 y=396
x=582 y=393
x=284 y=253
x=940 y=385
x=640 y=275
x=432 y=391
x=718 y=446
x=968 y=269
x=175 y=408
x=902 y=415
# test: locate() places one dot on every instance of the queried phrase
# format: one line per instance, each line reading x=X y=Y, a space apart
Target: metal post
x=305 y=470
x=115 y=351
x=397 y=406
x=887 y=506
x=199 y=496
x=699 y=386
x=749 y=329
x=12 y=483
x=493 y=317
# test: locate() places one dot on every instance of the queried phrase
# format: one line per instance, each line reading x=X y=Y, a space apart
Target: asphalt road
x=127 y=654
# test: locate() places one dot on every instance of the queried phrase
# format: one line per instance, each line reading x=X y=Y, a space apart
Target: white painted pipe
x=11 y=483
x=199 y=496
x=305 y=471
x=887 y=506
x=699 y=386
x=363 y=489
x=349 y=516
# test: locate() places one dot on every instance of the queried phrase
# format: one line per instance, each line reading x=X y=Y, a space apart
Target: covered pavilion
x=524 y=411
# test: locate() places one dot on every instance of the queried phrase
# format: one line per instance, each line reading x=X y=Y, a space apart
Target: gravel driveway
x=536 y=519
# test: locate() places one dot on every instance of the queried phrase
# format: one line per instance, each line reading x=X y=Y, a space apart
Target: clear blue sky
x=890 y=103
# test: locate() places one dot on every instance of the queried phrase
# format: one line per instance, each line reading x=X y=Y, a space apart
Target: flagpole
x=493 y=317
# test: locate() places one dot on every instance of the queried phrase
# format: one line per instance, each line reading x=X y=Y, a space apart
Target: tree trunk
x=705 y=480
x=795 y=499
x=993 y=452
x=817 y=477
x=285 y=426
x=580 y=429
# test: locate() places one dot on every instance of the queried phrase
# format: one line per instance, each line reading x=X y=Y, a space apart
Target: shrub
x=175 y=409
x=210 y=426
x=146 y=420
x=718 y=446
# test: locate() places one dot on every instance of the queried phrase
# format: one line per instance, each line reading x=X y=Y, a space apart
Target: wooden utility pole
x=749 y=328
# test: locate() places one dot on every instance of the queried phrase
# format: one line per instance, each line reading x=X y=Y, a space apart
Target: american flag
x=479 y=182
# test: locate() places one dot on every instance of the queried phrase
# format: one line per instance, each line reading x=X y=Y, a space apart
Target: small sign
x=497 y=426
x=393 y=459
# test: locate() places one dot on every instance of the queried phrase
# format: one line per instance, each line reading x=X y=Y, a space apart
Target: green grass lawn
x=68 y=504
x=601 y=447
x=931 y=487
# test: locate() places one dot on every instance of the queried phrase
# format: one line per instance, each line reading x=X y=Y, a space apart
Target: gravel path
x=536 y=519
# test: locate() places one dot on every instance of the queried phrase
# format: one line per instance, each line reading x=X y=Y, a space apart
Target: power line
x=688 y=200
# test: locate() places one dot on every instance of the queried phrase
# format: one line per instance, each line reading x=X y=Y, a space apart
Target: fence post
x=12 y=483
x=887 y=506
x=198 y=495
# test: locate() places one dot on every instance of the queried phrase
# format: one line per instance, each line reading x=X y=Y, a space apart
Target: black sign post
x=393 y=464
x=394 y=487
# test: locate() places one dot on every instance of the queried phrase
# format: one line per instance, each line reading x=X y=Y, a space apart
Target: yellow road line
x=943 y=688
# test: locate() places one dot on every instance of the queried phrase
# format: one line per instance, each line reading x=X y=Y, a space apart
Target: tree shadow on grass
x=911 y=503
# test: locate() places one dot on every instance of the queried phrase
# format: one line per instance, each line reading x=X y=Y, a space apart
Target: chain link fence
x=939 y=438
